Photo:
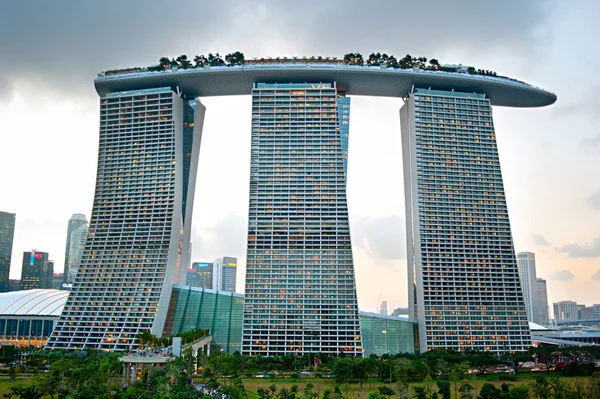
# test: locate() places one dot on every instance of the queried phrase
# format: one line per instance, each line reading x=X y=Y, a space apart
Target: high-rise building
x=58 y=280
x=14 y=285
x=37 y=270
x=565 y=310
x=76 y=245
x=585 y=312
x=139 y=230
x=201 y=275
x=383 y=308
x=542 y=295
x=225 y=274
x=7 y=232
x=528 y=280
x=300 y=293
x=77 y=220
x=596 y=310
x=463 y=279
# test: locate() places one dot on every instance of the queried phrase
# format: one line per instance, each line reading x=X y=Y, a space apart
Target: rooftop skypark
x=237 y=58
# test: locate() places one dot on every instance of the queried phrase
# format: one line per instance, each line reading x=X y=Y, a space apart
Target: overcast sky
x=50 y=53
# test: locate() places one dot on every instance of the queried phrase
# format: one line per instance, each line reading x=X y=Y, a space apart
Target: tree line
x=375 y=59
x=437 y=374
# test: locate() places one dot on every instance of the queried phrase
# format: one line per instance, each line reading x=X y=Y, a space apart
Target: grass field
x=353 y=391
x=6 y=383
x=350 y=391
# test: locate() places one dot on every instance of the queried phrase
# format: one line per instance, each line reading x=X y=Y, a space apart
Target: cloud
x=594 y=200
x=68 y=42
x=588 y=250
x=591 y=144
x=227 y=237
x=540 y=240
x=596 y=276
x=561 y=275
x=382 y=238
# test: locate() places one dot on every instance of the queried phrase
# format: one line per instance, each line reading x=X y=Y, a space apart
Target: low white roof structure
x=33 y=302
x=536 y=327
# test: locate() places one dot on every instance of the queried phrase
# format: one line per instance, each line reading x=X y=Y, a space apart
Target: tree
x=466 y=390
x=483 y=361
x=420 y=392
x=489 y=391
x=200 y=61
x=517 y=359
x=444 y=389
x=519 y=392
x=183 y=62
x=541 y=388
x=546 y=355
x=236 y=58
x=386 y=391
x=163 y=63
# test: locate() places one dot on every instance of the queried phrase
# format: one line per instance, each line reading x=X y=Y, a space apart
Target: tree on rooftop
x=183 y=61
x=200 y=60
x=215 y=60
x=392 y=62
x=236 y=58
x=373 y=59
x=406 y=61
x=164 y=63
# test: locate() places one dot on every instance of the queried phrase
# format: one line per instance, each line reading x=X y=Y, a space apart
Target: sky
x=50 y=53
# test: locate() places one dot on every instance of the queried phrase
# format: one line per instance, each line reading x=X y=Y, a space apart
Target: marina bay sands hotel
x=300 y=288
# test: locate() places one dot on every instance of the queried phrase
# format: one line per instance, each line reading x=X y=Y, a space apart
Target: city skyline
x=529 y=141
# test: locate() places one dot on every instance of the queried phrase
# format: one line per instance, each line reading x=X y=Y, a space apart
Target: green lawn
x=6 y=383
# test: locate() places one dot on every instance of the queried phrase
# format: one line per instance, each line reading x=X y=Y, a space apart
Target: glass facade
x=72 y=260
x=200 y=275
x=77 y=243
x=36 y=271
x=463 y=279
x=387 y=334
x=219 y=312
x=139 y=230
x=25 y=330
x=7 y=232
x=300 y=288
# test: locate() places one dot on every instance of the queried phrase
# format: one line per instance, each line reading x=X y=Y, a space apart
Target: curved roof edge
x=38 y=302
x=352 y=79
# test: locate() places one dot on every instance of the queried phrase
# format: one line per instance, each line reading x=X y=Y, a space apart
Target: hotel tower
x=300 y=294
x=139 y=231
x=463 y=278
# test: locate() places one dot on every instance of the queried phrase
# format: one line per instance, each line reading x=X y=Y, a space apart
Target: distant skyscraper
x=585 y=312
x=463 y=279
x=77 y=220
x=542 y=295
x=225 y=273
x=139 y=233
x=77 y=243
x=596 y=310
x=300 y=294
x=58 y=280
x=528 y=279
x=37 y=271
x=7 y=232
x=565 y=310
x=383 y=308
x=201 y=275
x=14 y=285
